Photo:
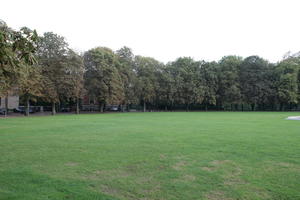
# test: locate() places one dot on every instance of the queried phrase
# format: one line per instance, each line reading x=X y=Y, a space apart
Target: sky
x=166 y=29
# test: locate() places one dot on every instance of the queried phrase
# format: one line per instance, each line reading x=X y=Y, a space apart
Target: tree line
x=44 y=69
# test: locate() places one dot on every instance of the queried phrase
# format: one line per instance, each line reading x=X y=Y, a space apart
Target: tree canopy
x=46 y=70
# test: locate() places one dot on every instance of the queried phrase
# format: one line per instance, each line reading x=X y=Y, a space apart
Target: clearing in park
x=170 y=156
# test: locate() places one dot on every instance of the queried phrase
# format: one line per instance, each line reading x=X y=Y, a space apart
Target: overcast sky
x=166 y=29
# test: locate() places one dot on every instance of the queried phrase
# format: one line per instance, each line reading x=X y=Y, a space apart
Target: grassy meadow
x=151 y=156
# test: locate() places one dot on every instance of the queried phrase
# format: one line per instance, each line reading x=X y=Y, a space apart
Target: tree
x=166 y=87
x=252 y=73
x=52 y=55
x=186 y=75
x=287 y=82
x=146 y=69
x=102 y=78
x=128 y=75
x=17 y=50
x=299 y=85
x=209 y=83
x=73 y=81
x=30 y=85
x=229 y=91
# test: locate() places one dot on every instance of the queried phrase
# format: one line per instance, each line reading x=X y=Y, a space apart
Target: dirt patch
x=179 y=165
x=162 y=156
x=208 y=168
x=151 y=190
x=189 y=177
x=217 y=195
x=216 y=164
x=109 y=190
x=232 y=176
x=231 y=172
x=284 y=164
x=234 y=181
x=219 y=162
x=271 y=166
x=260 y=193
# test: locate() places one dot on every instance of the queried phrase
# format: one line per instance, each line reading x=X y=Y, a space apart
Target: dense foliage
x=46 y=70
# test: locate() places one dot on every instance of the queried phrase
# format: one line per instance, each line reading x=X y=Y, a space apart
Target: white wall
x=13 y=102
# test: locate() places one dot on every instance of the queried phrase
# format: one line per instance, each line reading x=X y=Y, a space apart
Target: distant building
x=13 y=102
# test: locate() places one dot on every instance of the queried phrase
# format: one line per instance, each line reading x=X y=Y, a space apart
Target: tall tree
x=287 y=82
x=166 y=87
x=209 y=83
x=252 y=75
x=102 y=78
x=52 y=54
x=16 y=51
x=30 y=85
x=146 y=69
x=128 y=75
x=229 y=91
x=186 y=75
x=73 y=82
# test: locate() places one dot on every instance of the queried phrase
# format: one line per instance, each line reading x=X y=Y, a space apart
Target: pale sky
x=166 y=29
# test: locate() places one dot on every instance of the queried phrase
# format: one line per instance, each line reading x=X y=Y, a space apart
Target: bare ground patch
x=215 y=165
x=217 y=195
x=148 y=187
x=162 y=156
x=187 y=178
x=220 y=162
x=231 y=171
x=290 y=166
x=232 y=176
x=271 y=165
x=109 y=190
x=179 y=165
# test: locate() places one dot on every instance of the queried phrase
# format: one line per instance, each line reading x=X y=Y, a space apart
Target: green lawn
x=170 y=156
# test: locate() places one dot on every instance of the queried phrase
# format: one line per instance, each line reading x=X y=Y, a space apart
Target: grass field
x=170 y=156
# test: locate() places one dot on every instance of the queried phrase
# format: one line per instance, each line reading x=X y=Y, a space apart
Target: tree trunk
x=144 y=107
x=27 y=107
x=206 y=107
x=6 y=105
x=101 y=107
x=77 y=106
x=187 y=108
x=252 y=106
x=53 y=108
x=242 y=107
x=166 y=108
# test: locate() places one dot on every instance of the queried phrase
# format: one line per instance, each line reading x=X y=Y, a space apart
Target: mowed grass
x=170 y=156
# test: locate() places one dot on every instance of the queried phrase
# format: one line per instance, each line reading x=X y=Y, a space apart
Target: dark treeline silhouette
x=43 y=70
